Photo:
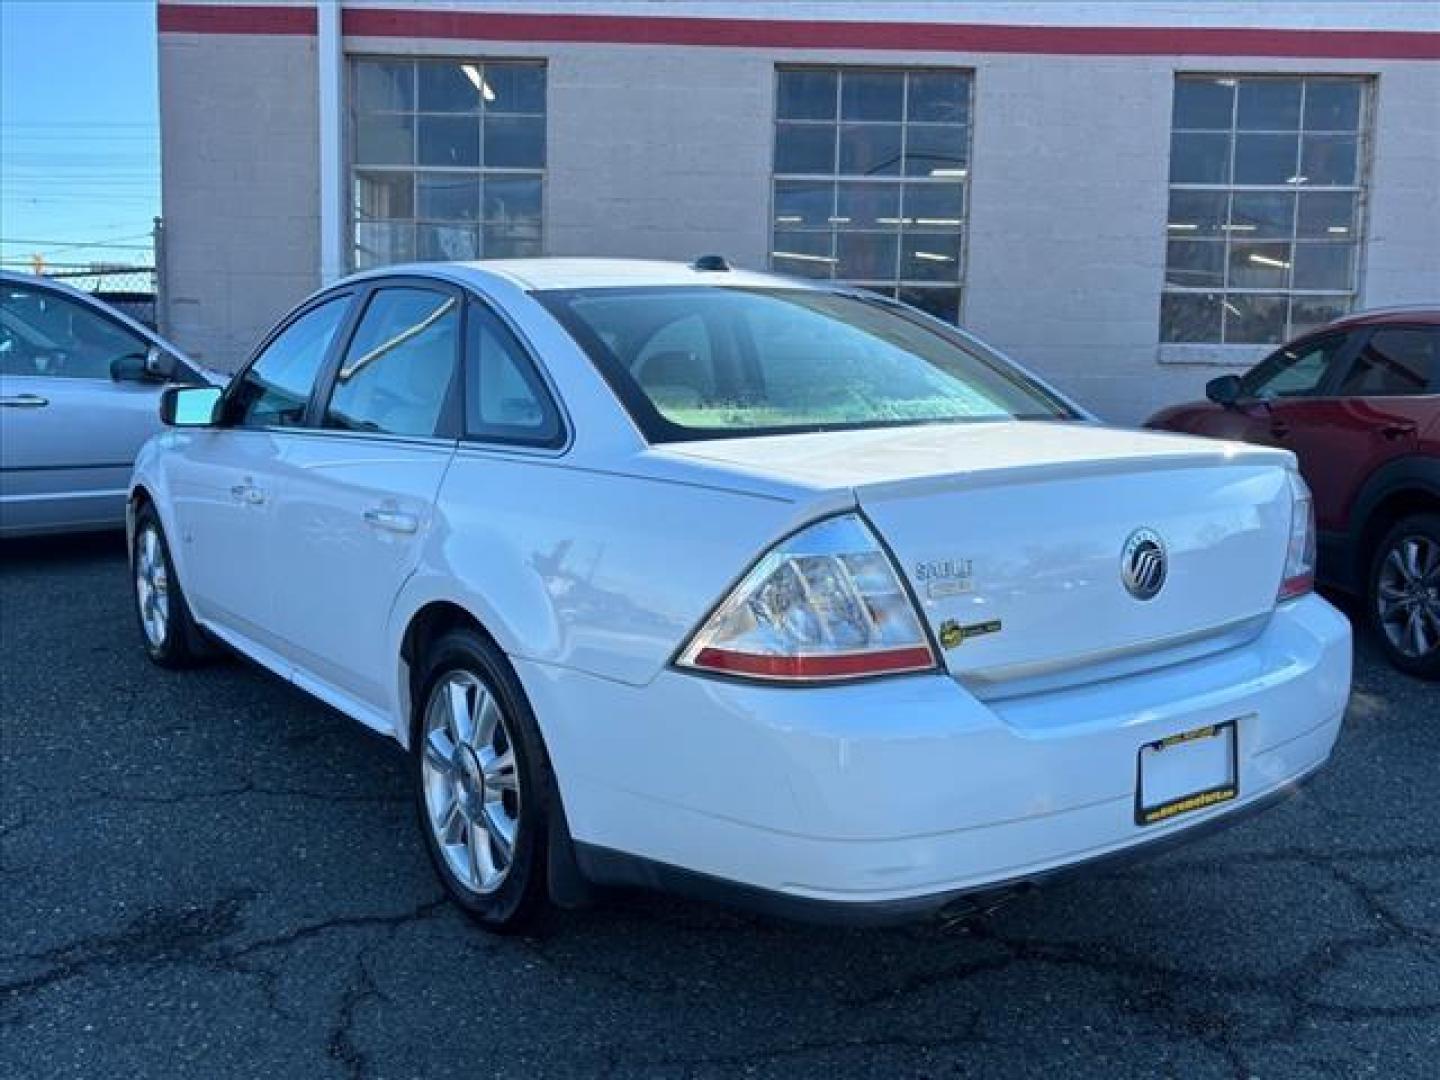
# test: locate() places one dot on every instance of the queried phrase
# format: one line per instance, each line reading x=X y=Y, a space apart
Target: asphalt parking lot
x=208 y=874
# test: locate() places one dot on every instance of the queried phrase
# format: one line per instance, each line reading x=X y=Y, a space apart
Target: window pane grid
x=1266 y=193
x=419 y=129
x=869 y=179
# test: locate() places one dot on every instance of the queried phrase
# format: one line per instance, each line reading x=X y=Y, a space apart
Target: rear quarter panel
x=599 y=571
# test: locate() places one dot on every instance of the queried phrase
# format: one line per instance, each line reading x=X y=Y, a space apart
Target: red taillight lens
x=838 y=666
x=824 y=604
x=1299 y=576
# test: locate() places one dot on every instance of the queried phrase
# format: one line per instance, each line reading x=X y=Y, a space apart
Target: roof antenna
x=715 y=263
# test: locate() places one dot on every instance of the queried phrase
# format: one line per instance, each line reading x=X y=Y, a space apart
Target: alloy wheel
x=472 y=789
x=152 y=586
x=1408 y=595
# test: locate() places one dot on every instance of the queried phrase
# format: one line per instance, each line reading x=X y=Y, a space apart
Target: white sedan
x=762 y=590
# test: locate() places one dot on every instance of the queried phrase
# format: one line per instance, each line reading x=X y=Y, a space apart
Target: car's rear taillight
x=1299 y=576
x=827 y=603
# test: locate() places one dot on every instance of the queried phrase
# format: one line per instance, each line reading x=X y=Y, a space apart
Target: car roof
x=1426 y=314
x=589 y=273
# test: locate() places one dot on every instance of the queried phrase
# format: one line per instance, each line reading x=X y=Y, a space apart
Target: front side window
x=871 y=175
x=449 y=159
x=505 y=399
x=705 y=362
x=275 y=390
x=1293 y=372
x=1396 y=362
x=1267 y=184
x=398 y=368
x=45 y=333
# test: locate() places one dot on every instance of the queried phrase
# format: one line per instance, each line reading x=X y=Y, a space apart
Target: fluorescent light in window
x=839 y=220
x=937 y=221
x=1297 y=179
x=1240 y=228
x=1337 y=228
x=949 y=172
x=478 y=81
x=802 y=257
x=1231 y=308
x=1265 y=260
x=1226 y=82
x=893 y=220
x=1187 y=226
x=933 y=256
x=788 y=219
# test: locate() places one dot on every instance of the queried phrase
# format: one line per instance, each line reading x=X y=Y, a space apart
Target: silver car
x=80 y=387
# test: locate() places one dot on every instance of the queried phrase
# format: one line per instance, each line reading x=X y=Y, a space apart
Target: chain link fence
x=130 y=289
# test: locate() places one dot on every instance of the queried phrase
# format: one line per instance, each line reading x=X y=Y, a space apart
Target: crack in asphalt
x=340 y=1043
x=186 y=936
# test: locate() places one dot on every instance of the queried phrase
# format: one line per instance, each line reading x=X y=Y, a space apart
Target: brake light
x=1299 y=576
x=827 y=603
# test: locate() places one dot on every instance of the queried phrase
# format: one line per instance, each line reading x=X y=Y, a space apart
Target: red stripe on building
x=234 y=19
x=483 y=26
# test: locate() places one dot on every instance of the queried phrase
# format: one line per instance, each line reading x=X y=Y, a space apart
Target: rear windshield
x=693 y=362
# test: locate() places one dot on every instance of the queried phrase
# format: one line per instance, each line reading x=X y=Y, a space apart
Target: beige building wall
x=239 y=136
x=665 y=151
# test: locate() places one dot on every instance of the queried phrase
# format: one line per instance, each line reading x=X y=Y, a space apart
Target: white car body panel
x=891 y=789
x=351 y=518
x=591 y=565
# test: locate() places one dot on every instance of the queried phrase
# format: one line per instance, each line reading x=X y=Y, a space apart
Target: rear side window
x=1395 y=362
x=396 y=375
x=275 y=389
x=505 y=399
x=44 y=333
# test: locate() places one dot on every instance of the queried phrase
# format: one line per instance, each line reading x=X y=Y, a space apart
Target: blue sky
x=79 y=130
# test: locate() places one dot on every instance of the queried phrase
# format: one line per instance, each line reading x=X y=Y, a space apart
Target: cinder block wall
x=239 y=135
x=663 y=151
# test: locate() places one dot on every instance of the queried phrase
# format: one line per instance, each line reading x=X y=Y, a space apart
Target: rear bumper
x=892 y=798
x=604 y=866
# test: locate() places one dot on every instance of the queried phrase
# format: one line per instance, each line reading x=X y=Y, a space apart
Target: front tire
x=482 y=782
x=1403 y=599
x=169 y=634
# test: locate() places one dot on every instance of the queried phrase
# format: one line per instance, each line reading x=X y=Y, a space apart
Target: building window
x=871 y=177
x=449 y=159
x=1267 y=185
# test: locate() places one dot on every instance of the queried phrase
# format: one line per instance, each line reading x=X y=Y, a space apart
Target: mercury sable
x=770 y=591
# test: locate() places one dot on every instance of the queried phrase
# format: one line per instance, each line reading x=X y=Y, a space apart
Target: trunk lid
x=1014 y=538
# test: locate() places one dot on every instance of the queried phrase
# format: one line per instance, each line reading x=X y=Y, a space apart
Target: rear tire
x=483 y=782
x=168 y=632
x=1402 y=597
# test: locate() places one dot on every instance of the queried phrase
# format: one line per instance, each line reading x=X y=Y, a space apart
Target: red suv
x=1359 y=403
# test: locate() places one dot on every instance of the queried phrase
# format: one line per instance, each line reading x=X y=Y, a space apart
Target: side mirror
x=1224 y=391
x=129 y=368
x=159 y=365
x=189 y=406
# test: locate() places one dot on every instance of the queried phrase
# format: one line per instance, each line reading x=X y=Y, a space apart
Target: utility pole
x=37 y=264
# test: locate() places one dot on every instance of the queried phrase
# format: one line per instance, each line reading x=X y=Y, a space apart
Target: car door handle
x=24 y=401
x=394 y=520
x=247 y=493
x=1399 y=431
